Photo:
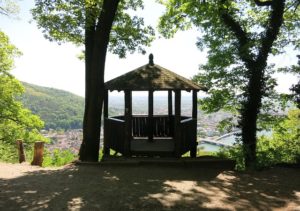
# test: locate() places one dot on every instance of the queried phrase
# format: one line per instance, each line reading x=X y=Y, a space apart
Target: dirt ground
x=142 y=187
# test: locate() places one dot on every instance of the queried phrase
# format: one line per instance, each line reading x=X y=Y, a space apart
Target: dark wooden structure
x=21 y=152
x=38 y=154
x=170 y=135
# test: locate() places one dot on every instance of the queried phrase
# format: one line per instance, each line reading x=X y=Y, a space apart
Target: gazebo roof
x=152 y=77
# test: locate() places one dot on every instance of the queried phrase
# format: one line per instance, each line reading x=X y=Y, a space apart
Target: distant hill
x=58 y=109
x=64 y=110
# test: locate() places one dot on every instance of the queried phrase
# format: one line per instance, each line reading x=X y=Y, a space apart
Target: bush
x=234 y=153
x=282 y=147
x=9 y=152
x=58 y=157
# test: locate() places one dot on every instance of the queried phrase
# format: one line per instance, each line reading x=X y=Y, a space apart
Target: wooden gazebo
x=170 y=135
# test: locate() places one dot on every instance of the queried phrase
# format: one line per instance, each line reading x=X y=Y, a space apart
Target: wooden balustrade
x=115 y=130
x=163 y=126
x=187 y=134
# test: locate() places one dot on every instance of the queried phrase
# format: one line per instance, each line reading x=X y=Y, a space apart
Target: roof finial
x=151 y=59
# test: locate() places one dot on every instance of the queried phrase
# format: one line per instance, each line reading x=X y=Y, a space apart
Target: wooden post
x=106 y=149
x=170 y=113
x=150 y=116
x=21 y=151
x=170 y=103
x=177 y=119
x=193 y=151
x=38 y=154
x=128 y=122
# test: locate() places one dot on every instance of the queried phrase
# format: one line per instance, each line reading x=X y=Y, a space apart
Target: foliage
x=58 y=109
x=225 y=73
x=295 y=95
x=58 y=157
x=201 y=152
x=282 y=147
x=16 y=122
x=8 y=8
x=8 y=153
x=233 y=153
x=239 y=35
x=66 y=21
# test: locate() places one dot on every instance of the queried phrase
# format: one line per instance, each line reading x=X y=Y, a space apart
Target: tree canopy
x=16 y=122
x=239 y=36
x=225 y=73
x=66 y=21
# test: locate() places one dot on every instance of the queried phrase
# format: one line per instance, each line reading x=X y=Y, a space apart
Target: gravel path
x=24 y=187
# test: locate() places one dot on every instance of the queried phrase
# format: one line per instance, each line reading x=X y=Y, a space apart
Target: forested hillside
x=58 y=109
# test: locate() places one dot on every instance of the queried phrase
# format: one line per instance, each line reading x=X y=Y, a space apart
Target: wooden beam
x=177 y=128
x=193 y=151
x=150 y=115
x=106 y=149
x=170 y=103
x=105 y=112
x=170 y=113
x=195 y=104
x=128 y=123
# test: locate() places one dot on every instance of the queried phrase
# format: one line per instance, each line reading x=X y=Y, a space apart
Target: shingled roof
x=152 y=77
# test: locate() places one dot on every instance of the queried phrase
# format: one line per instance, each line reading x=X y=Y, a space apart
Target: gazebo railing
x=162 y=126
x=114 y=132
x=188 y=134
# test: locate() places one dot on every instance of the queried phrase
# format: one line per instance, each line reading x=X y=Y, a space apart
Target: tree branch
x=295 y=5
x=3 y=11
x=263 y=3
x=241 y=35
x=11 y=119
x=272 y=31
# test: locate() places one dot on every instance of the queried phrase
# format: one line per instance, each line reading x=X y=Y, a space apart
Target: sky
x=48 y=64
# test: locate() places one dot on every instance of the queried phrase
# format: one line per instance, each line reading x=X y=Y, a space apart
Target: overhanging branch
x=240 y=34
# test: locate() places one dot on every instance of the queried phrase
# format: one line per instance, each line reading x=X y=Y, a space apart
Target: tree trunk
x=249 y=114
x=96 y=43
x=256 y=67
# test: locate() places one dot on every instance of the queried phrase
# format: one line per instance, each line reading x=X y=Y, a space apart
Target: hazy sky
x=49 y=64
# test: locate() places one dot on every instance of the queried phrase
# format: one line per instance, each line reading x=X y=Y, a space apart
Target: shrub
x=282 y=147
x=58 y=157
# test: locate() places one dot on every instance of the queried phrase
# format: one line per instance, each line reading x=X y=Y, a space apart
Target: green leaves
x=127 y=33
x=16 y=122
x=61 y=21
x=66 y=21
x=227 y=71
x=7 y=54
x=284 y=144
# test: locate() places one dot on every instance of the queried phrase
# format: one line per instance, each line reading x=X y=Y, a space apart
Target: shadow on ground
x=151 y=188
